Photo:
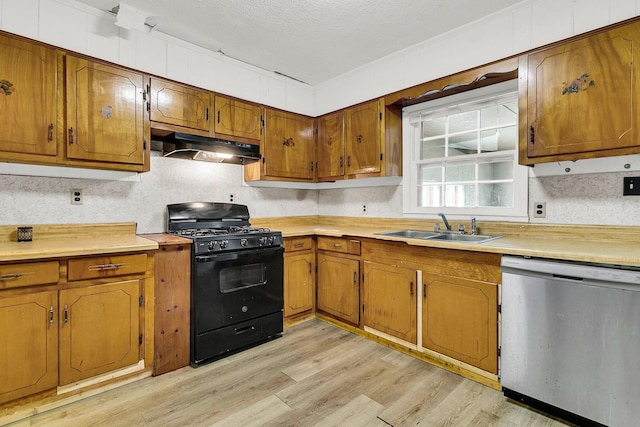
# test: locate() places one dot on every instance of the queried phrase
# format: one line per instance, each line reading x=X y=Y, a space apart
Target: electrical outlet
x=540 y=209
x=76 y=196
x=232 y=197
x=364 y=209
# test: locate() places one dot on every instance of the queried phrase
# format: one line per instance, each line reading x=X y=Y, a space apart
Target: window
x=461 y=155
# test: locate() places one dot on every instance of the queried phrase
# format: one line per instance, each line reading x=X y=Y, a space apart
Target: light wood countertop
x=51 y=241
x=609 y=245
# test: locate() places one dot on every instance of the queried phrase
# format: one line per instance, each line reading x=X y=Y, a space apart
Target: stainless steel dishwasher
x=571 y=339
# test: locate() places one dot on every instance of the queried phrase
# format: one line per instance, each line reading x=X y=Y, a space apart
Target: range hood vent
x=195 y=147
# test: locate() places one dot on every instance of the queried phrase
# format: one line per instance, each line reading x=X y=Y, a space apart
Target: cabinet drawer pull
x=298 y=245
x=71 y=140
x=337 y=245
x=106 y=267
x=10 y=276
x=51 y=132
x=66 y=314
x=51 y=315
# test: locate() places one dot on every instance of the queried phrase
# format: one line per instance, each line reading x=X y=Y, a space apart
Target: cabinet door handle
x=288 y=142
x=71 y=139
x=410 y=288
x=66 y=314
x=51 y=132
x=311 y=166
x=348 y=160
x=532 y=135
x=218 y=116
x=359 y=138
x=51 y=315
x=341 y=162
x=424 y=290
x=355 y=277
x=10 y=276
x=206 y=114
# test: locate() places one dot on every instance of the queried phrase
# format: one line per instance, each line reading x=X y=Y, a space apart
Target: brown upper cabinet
x=330 y=146
x=238 y=120
x=360 y=142
x=179 y=105
x=288 y=150
x=580 y=99
x=28 y=98
x=105 y=116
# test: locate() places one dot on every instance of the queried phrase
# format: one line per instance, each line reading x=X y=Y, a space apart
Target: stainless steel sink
x=467 y=238
x=441 y=236
x=412 y=234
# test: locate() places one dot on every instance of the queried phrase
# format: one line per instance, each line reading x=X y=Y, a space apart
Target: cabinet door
x=460 y=319
x=583 y=96
x=288 y=151
x=27 y=97
x=339 y=287
x=331 y=146
x=105 y=113
x=99 y=329
x=176 y=104
x=389 y=299
x=238 y=119
x=298 y=283
x=363 y=139
x=29 y=350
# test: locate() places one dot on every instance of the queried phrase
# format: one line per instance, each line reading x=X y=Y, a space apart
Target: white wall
x=70 y=25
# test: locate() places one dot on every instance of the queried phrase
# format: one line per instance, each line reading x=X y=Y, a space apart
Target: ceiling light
x=132 y=18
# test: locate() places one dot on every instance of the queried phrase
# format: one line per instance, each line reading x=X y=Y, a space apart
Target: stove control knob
x=223 y=244
x=272 y=240
x=243 y=242
x=263 y=240
x=211 y=245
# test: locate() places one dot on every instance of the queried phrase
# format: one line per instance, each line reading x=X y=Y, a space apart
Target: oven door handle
x=230 y=256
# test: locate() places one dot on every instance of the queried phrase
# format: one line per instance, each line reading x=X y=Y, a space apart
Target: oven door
x=232 y=287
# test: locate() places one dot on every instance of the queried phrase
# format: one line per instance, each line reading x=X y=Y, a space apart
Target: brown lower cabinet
x=299 y=276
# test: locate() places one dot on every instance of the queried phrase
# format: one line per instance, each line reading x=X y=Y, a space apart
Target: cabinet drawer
x=339 y=244
x=28 y=274
x=298 y=244
x=106 y=266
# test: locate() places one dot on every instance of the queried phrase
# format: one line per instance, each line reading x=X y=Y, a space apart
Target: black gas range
x=236 y=278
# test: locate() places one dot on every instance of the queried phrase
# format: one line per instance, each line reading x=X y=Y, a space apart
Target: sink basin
x=467 y=238
x=412 y=234
x=447 y=237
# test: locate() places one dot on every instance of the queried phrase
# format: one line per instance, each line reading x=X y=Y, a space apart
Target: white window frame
x=411 y=136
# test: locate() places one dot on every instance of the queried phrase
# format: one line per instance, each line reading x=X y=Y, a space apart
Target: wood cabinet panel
x=172 y=307
x=29 y=274
x=29 y=351
x=363 y=146
x=582 y=96
x=339 y=287
x=299 y=283
x=289 y=146
x=389 y=299
x=459 y=319
x=331 y=146
x=176 y=104
x=28 y=80
x=106 y=266
x=105 y=113
x=236 y=118
x=99 y=329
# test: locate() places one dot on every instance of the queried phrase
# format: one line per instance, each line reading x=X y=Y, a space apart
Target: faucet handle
x=436 y=227
x=474 y=229
x=461 y=228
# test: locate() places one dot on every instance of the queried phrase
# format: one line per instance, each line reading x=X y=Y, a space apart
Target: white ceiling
x=308 y=40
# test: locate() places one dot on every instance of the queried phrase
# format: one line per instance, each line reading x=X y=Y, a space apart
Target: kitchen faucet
x=444 y=219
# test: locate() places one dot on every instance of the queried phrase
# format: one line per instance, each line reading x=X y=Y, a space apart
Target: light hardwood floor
x=315 y=375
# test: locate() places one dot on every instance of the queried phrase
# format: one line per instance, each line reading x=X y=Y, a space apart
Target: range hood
x=195 y=147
